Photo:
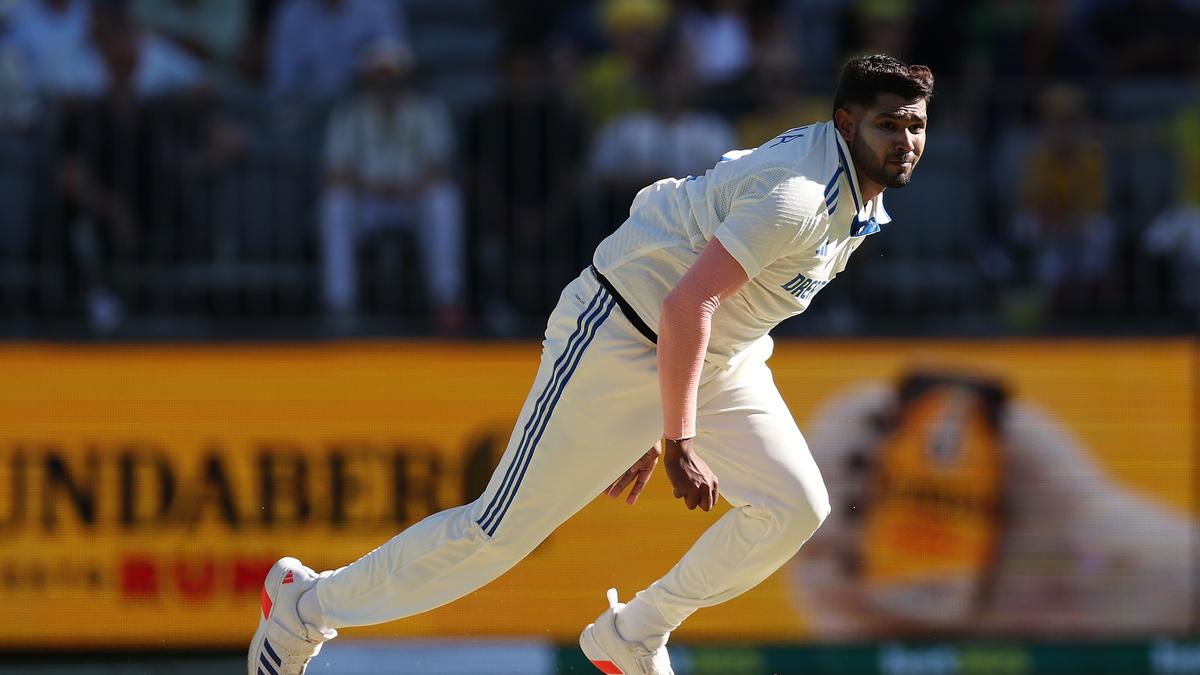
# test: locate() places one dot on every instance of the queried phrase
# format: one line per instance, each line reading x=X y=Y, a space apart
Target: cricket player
x=662 y=343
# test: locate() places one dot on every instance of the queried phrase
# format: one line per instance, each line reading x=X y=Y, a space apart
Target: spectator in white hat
x=387 y=156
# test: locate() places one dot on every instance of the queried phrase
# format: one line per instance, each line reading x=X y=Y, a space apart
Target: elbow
x=670 y=305
x=677 y=306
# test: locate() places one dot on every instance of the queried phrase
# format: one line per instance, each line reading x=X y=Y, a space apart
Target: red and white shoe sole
x=596 y=655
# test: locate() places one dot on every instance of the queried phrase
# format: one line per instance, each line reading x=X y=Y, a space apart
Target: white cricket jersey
x=789 y=211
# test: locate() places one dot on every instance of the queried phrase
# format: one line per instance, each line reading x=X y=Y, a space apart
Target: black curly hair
x=866 y=77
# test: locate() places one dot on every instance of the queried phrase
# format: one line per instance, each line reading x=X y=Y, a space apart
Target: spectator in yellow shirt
x=1062 y=218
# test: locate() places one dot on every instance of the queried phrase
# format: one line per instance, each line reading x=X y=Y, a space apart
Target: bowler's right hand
x=693 y=481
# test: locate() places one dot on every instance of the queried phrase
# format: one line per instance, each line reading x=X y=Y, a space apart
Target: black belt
x=626 y=308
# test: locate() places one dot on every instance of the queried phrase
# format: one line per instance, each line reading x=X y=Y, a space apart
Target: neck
x=868 y=188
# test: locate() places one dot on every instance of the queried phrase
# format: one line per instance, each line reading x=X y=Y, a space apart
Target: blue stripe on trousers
x=551 y=394
x=608 y=310
x=582 y=326
x=538 y=409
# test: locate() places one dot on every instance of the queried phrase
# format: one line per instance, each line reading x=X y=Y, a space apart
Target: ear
x=845 y=121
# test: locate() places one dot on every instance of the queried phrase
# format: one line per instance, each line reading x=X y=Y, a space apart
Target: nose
x=906 y=140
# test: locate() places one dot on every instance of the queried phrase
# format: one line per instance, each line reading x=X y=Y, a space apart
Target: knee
x=515 y=538
x=821 y=509
x=801 y=510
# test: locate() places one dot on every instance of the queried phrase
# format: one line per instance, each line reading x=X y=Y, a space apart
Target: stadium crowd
x=445 y=165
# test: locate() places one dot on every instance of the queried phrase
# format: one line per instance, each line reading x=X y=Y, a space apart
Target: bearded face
x=888 y=139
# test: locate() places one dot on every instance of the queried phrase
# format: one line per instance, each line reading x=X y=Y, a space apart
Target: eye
x=888 y=125
x=917 y=128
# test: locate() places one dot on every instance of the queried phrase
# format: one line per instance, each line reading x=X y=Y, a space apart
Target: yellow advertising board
x=145 y=489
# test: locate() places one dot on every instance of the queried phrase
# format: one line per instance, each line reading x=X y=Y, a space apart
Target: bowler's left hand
x=638 y=474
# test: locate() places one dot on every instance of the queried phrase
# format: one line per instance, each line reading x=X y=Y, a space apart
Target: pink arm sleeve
x=683 y=331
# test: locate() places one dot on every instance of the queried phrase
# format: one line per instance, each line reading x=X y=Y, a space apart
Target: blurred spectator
x=672 y=139
x=1062 y=219
x=524 y=149
x=316 y=46
x=944 y=55
x=575 y=36
x=157 y=66
x=250 y=60
x=882 y=27
x=60 y=43
x=1174 y=235
x=622 y=80
x=993 y=92
x=816 y=23
x=1147 y=37
x=1058 y=46
x=717 y=37
x=545 y=23
x=122 y=156
x=1016 y=39
x=770 y=32
x=210 y=30
x=388 y=152
x=778 y=101
x=18 y=105
x=52 y=38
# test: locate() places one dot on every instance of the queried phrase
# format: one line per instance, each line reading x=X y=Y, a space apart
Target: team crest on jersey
x=804 y=288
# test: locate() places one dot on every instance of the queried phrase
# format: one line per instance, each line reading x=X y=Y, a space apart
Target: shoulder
x=802 y=140
x=807 y=152
x=792 y=190
x=790 y=199
x=795 y=200
x=803 y=199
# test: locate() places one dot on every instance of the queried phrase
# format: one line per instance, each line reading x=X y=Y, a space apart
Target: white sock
x=639 y=621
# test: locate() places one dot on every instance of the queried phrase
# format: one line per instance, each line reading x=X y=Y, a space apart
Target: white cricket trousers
x=594 y=409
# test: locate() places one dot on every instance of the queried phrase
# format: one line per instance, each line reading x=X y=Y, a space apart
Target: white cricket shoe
x=283 y=644
x=614 y=655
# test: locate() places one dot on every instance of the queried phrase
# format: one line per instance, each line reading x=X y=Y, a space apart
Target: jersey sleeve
x=761 y=229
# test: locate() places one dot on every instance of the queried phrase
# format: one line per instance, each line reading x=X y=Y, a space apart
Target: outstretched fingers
x=639 y=484
x=618 y=486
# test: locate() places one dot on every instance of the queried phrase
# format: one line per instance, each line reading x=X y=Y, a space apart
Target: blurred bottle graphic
x=930 y=533
x=961 y=510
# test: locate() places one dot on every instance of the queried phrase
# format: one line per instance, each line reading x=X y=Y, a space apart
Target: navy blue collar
x=848 y=169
